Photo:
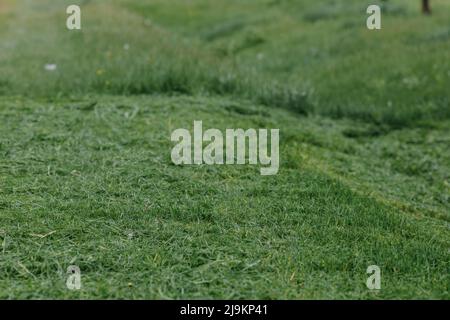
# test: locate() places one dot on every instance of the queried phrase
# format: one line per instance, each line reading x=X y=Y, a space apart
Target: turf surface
x=86 y=176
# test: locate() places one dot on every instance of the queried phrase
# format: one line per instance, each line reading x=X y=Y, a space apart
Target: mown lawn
x=85 y=171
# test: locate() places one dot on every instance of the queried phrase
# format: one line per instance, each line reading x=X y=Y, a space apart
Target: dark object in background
x=426 y=7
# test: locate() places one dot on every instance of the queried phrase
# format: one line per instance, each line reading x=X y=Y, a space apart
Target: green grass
x=273 y=53
x=101 y=179
x=86 y=176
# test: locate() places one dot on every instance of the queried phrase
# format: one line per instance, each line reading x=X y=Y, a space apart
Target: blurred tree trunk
x=426 y=6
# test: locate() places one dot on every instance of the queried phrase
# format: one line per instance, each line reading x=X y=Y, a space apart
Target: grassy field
x=86 y=176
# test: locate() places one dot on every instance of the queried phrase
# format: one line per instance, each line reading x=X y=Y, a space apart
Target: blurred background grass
x=307 y=56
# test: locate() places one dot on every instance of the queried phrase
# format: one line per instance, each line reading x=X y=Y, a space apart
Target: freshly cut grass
x=90 y=182
x=85 y=170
